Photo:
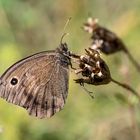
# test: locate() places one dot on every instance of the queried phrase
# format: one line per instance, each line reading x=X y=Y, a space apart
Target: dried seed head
x=92 y=75
x=103 y=39
x=82 y=57
x=94 y=46
x=90 y=25
x=97 y=44
x=100 y=74
x=82 y=65
x=94 y=69
x=108 y=42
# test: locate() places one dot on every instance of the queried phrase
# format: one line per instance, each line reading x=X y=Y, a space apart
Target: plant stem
x=131 y=58
x=127 y=87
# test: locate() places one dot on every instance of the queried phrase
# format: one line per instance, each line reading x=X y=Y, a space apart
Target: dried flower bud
x=96 y=73
x=111 y=43
x=94 y=70
x=90 y=25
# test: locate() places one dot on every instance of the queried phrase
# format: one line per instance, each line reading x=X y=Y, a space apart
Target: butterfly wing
x=38 y=83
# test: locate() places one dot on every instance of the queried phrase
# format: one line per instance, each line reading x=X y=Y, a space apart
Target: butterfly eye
x=14 y=81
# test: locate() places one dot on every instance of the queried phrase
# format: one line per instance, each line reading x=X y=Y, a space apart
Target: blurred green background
x=30 y=26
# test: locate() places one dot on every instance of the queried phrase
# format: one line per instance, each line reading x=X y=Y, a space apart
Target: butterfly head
x=63 y=49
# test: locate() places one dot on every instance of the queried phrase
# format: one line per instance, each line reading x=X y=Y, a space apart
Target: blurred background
x=30 y=26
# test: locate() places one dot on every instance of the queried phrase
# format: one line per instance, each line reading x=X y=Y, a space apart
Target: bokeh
x=30 y=26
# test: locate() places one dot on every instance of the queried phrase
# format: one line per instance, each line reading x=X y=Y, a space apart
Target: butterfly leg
x=77 y=71
x=75 y=56
x=72 y=66
x=81 y=81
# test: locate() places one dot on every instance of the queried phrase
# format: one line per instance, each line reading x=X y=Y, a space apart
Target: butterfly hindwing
x=38 y=83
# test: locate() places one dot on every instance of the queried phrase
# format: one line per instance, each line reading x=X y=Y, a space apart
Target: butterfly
x=38 y=83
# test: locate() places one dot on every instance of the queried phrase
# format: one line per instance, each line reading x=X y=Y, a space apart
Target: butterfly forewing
x=38 y=83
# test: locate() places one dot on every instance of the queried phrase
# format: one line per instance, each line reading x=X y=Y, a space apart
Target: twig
x=127 y=87
x=131 y=58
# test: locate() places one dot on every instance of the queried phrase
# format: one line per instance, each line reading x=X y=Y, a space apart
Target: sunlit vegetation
x=30 y=26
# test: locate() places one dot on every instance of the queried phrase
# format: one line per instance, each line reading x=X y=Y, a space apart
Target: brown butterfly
x=38 y=83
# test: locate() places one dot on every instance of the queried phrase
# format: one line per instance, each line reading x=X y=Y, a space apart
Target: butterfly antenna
x=63 y=33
